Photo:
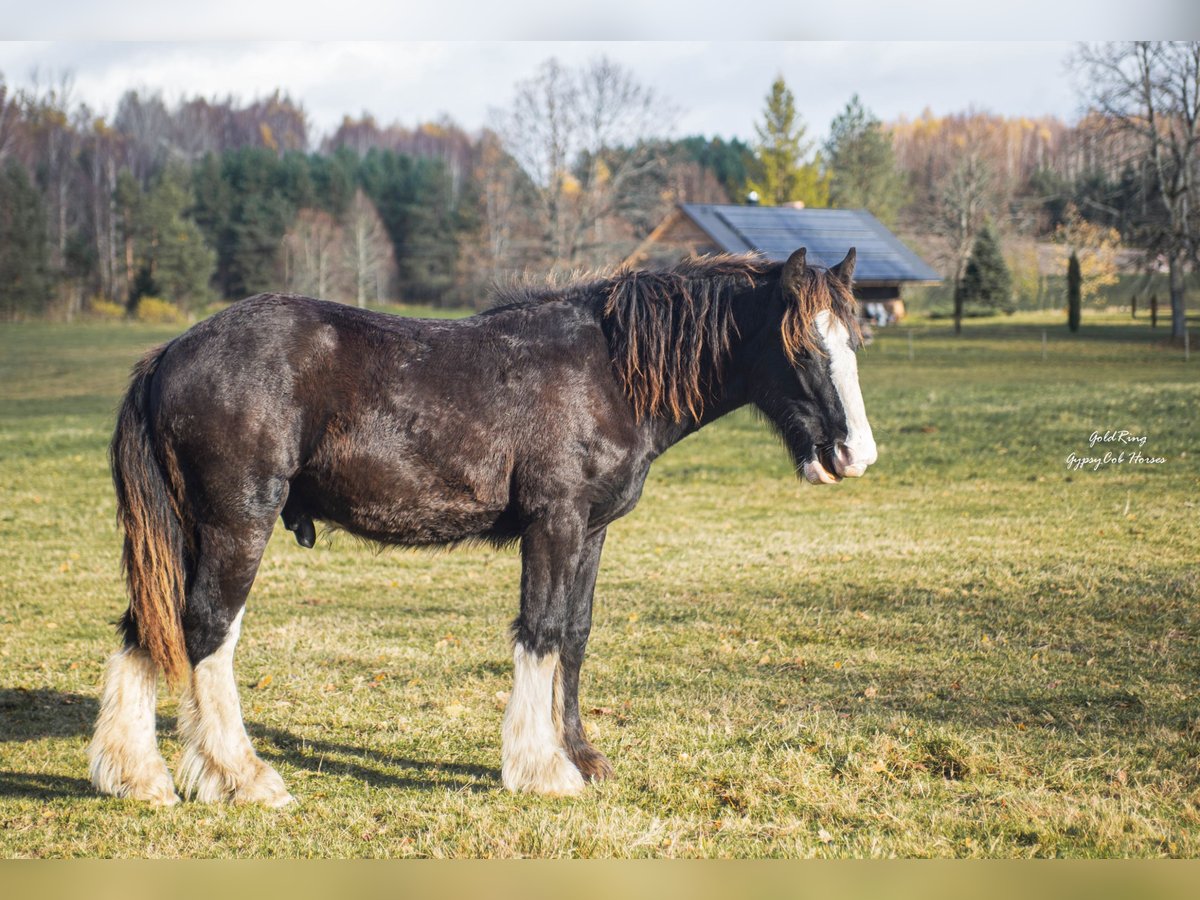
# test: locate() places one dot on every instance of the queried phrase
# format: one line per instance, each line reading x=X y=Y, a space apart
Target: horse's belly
x=401 y=503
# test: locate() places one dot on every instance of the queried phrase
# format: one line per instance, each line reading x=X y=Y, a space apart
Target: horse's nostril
x=845 y=463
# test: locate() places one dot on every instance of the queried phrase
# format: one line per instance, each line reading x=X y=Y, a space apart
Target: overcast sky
x=717 y=87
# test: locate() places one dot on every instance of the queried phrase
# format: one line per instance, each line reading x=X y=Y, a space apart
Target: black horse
x=536 y=421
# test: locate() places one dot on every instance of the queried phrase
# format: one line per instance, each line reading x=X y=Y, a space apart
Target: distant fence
x=1041 y=341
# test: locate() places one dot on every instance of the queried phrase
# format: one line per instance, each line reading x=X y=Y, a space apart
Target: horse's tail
x=151 y=513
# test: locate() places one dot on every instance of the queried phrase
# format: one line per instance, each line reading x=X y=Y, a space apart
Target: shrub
x=158 y=312
x=106 y=309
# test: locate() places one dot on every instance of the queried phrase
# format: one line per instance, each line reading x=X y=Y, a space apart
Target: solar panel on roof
x=827 y=234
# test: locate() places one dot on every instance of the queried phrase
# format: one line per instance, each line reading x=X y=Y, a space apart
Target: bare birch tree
x=367 y=251
x=53 y=142
x=586 y=139
x=964 y=198
x=10 y=114
x=1152 y=89
x=313 y=254
x=498 y=178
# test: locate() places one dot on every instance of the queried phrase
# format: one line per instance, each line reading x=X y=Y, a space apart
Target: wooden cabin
x=885 y=265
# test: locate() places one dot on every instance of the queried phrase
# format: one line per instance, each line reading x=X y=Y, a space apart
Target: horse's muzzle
x=831 y=465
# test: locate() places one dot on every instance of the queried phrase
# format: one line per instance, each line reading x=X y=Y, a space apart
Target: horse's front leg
x=588 y=760
x=533 y=754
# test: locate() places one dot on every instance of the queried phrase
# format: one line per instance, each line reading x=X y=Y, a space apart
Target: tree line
x=213 y=199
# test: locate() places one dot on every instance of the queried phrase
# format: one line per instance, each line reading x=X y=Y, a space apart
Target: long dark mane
x=670 y=330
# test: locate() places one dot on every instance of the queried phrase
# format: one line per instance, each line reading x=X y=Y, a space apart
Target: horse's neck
x=732 y=391
x=663 y=433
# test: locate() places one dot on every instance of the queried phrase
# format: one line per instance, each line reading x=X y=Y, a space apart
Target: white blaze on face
x=858 y=451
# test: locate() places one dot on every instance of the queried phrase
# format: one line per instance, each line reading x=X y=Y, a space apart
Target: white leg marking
x=860 y=450
x=533 y=758
x=218 y=761
x=123 y=757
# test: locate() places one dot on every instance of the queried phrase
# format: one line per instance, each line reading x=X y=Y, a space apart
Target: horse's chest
x=616 y=495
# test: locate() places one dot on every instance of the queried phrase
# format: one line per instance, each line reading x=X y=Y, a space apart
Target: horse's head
x=805 y=376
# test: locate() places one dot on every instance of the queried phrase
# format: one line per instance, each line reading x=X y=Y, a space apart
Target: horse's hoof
x=552 y=775
x=591 y=763
x=594 y=766
x=151 y=783
x=279 y=802
x=266 y=788
x=168 y=799
x=156 y=794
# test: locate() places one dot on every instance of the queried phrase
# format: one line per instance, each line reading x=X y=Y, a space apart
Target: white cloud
x=718 y=87
x=612 y=20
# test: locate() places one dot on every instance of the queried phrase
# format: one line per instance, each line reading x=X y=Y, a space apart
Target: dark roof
x=776 y=231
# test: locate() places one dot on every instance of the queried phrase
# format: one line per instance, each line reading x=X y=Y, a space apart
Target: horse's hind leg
x=218 y=761
x=123 y=756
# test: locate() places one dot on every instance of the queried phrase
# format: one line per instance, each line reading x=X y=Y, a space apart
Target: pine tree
x=781 y=173
x=987 y=282
x=415 y=202
x=24 y=249
x=863 y=172
x=213 y=213
x=259 y=216
x=173 y=260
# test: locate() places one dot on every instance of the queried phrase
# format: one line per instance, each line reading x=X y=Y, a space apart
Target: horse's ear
x=793 y=269
x=845 y=269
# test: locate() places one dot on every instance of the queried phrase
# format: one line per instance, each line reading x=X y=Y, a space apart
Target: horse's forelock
x=814 y=291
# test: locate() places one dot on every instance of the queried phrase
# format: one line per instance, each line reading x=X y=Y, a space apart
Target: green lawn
x=970 y=652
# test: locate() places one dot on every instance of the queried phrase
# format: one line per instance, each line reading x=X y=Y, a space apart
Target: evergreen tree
x=987 y=282
x=334 y=180
x=24 y=250
x=781 y=171
x=173 y=260
x=730 y=161
x=260 y=212
x=431 y=251
x=414 y=199
x=213 y=214
x=863 y=172
x=1074 y=292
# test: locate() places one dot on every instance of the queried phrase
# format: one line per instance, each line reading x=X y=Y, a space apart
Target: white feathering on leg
x=218 y=761
x=533 y=758
x=123 y=757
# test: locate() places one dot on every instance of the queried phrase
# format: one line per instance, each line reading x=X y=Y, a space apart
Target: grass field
x=922 y=300
x=973 y=651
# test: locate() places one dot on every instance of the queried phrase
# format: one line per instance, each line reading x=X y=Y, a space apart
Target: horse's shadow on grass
x=33 y=715
x=377 y=768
